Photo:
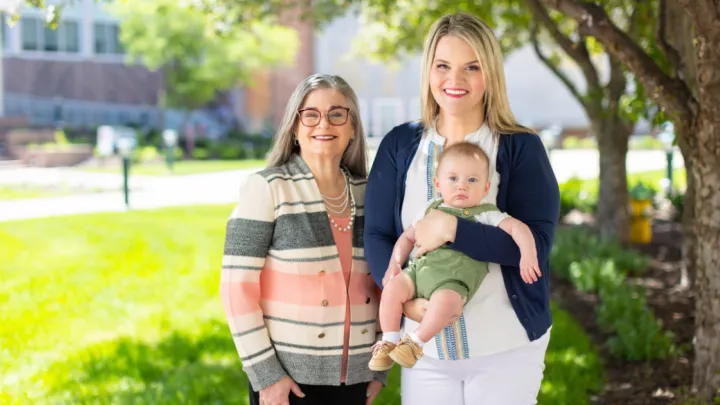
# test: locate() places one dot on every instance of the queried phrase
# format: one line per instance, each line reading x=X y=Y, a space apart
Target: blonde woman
x=297 y=292
x=494 y=353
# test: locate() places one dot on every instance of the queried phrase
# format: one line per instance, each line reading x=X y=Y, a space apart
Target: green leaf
x=199 y=57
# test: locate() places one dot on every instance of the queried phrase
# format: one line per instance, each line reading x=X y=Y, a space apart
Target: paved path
x=149 y=192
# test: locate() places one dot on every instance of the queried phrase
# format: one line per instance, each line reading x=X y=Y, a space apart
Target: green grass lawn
x=184 y=167
x=21 y=192
x=124 y=309
x=650 y=178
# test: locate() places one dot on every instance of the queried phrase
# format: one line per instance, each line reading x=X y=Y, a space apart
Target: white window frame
x=59 y=32
x=378 y=105
x=414 y=112
x=364 y=115
x=107 y=27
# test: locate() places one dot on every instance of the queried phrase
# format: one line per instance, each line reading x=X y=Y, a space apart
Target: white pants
x=508 y=378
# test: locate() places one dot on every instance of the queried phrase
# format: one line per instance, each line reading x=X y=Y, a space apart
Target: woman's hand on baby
x=434 y=230
x=529 y=268
x=393 y=270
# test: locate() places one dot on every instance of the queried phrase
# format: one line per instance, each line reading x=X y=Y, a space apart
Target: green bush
x=145 y=154
x=645 y=142
x=588 y=143
x=592 y=274
x=594 y=265
x=228 y=150
x=201 y=153
x=574 y=244
x=570 y=142
x=638 y=335
x=677 y=199
x=573 y=142
x=574 y=195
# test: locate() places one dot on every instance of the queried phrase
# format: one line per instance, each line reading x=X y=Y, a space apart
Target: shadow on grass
x=178 y=369
x=204 y=369
x=572 y=369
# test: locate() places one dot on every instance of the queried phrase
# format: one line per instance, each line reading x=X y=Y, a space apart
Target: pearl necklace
x=348 y=198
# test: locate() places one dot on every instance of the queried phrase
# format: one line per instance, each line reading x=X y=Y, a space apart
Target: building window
x=364 y=114
x=4 y=32
x=71 y=36
x=387 y=113
x=36 y=36
x=414 y=111
x=30 y=29
x=107 y=39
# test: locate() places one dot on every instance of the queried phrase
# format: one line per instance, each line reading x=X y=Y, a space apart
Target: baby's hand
x=529 y=268
x=393 y=270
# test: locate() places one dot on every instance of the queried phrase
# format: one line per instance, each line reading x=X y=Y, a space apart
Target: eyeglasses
x=311 y=117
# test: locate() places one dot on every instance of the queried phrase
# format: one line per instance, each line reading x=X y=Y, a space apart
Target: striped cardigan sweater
x=283 y=288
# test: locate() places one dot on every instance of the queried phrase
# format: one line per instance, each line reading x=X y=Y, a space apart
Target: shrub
x=145 y=154
x=638 y=335
x=574 y=195
x=201 y=153
x=677 y=199
x=594 y=265
x=574 y=244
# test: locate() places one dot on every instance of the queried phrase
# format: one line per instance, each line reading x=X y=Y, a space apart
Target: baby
x=446 y=277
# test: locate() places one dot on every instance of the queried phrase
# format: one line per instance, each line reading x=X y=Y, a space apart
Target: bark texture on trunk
x=613 y=215
x=688 y=216
x=705 y=170
x=692 y=99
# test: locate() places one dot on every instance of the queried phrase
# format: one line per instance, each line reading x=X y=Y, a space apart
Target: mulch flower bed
x=657 y=382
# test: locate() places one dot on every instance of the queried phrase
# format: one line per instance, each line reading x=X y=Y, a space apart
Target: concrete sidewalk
x=150 y=192
x=214 y=188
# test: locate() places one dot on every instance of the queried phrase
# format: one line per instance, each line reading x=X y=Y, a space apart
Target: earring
x=296 y=142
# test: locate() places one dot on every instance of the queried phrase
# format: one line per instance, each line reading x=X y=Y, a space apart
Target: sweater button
x=321 y=273
x=324 y=303
x=322 y=335
x=514 y=297
x=466 y=212
x=364 y=331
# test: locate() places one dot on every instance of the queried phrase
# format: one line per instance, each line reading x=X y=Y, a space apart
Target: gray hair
x=354 y=158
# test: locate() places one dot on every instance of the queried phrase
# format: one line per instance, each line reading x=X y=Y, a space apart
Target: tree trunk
x=613 y=215
x=688 y=216
x=705 y=171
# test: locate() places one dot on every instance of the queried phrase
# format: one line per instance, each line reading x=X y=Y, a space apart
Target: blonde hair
x=480 y=37
x=354 y=158
x=464 y=149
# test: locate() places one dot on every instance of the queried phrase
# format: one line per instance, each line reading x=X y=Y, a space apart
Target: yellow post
x=640 y=221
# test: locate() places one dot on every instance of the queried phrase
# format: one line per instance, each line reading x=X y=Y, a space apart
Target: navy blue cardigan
x=528 y=191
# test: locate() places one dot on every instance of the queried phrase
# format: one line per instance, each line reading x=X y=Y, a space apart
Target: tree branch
x=577 y=52
x=672 y=94
x=617 y=84
x=558 y=73
x=672 y=54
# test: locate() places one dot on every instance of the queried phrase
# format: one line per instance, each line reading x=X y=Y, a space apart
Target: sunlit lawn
x=124 y=309
x=183 y=167
x=650 y=178
x=21 y=192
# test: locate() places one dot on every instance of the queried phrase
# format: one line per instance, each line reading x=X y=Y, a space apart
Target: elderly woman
x=298 y=295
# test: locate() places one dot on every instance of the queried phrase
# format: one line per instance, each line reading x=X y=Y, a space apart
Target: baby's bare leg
x=398 y=291
x=445 y=306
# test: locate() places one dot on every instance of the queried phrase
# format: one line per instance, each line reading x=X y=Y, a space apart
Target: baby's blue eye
x=472 y=179
x=452 y=178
